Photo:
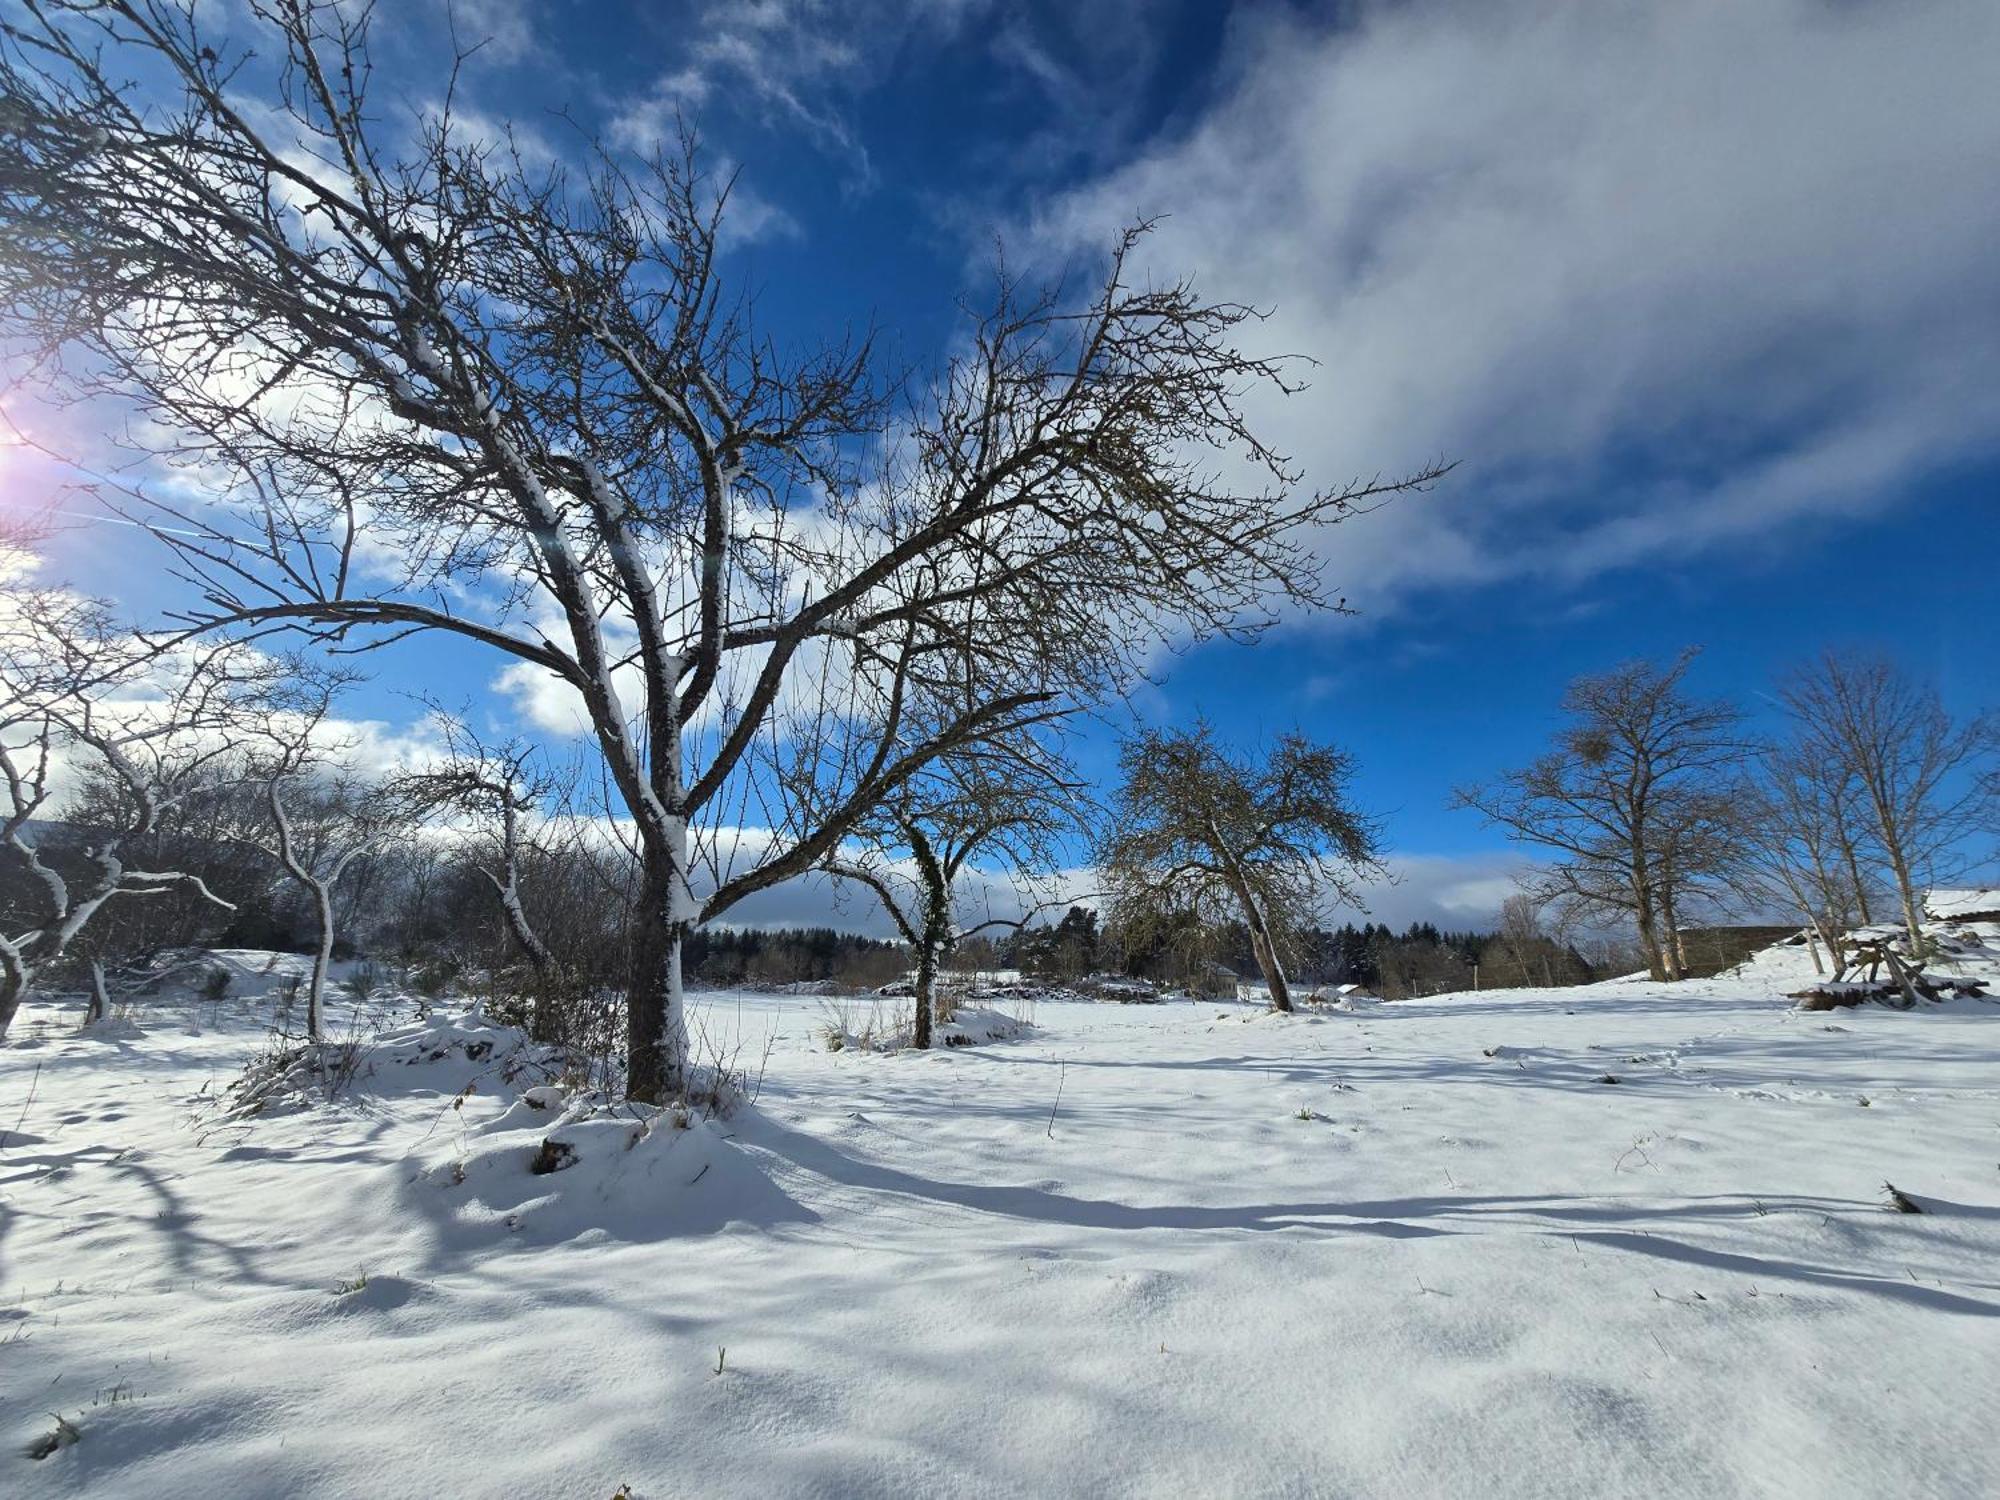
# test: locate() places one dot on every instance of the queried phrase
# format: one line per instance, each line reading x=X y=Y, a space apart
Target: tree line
x=1420 y=960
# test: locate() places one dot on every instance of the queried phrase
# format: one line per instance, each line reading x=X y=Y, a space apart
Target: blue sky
x=1701 y=297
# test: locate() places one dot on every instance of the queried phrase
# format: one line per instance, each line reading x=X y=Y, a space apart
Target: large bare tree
x=1915 y=770
x=1631 y=801
x=430 y=390
x=1197 y=831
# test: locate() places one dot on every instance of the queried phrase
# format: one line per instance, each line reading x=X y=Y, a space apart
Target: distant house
x=1979 y=904
x=1214 y=979
x=1344 y=994
x=1708 y=951
x=1255 y=991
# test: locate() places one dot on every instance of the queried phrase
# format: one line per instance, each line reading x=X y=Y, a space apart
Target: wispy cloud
x=785 y=61
x=802 y=66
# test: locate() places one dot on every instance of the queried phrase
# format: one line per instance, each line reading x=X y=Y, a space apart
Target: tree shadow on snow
x=795 y=1152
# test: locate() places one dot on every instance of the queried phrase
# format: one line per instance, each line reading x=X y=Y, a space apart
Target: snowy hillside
x=1625 y=1240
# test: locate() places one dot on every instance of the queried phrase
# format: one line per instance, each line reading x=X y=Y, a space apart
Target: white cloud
x=1663 y=276
x=1455 y=891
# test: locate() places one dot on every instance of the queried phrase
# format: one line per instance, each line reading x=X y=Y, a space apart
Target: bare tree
x=1697 y=836
x=495 y=791
x=76 y=694
x=512 y=816
x=1917 y=772
x=1195 y=830
x=438 y=392
x=1630 y=801
x=1522 y=939
x=312 y=818
x=1002 y=806
x=1796 y=852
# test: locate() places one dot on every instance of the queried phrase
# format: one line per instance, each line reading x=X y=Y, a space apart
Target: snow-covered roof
x=1963 y=904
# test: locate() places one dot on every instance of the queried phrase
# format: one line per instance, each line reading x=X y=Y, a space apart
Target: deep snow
x=1415 y=1249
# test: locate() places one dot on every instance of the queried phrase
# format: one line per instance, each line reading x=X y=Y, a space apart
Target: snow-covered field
x=1417 y=1249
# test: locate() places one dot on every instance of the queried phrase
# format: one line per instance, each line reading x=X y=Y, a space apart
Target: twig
x=34 y=1082
x=1061 y=1070
x=1901 y=1201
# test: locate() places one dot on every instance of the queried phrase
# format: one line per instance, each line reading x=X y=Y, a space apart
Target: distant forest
x=1422 y=959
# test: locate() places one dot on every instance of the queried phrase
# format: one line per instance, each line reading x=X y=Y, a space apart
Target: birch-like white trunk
x=322 y=960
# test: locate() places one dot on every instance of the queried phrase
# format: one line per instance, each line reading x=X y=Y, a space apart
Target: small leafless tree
x=311 y=816
x=493 y=793
x=78 y=695
x=511 y=816
x=1916 y=772
x=1630 y=801
x=1521 y=941
x=1797 y=852
x=434 y=390
x=998 y=812
x=1195 y=830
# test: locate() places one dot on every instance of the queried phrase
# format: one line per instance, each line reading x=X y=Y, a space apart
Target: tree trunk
x=1266 y=951
x=1907 y=893
x=525 y=937
x=1644 y=908
x=13 y=984
x=541 y=1020
x=1854 y=876
x=1649 y=940
x=936 y=928
x=655 y=1020
x=316 y=990
x=100 y=1002
x=1812 y=943
x=920 y=1033
x=1673 y=953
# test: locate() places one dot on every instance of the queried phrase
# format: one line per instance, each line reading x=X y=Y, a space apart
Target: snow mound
x=111 y=1029
x=450 y=1056
x=1120 y=990
x=972 y=1025
x=846 y=1028
x=593 y=1170
x=242 y=973
x=439 y=1048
